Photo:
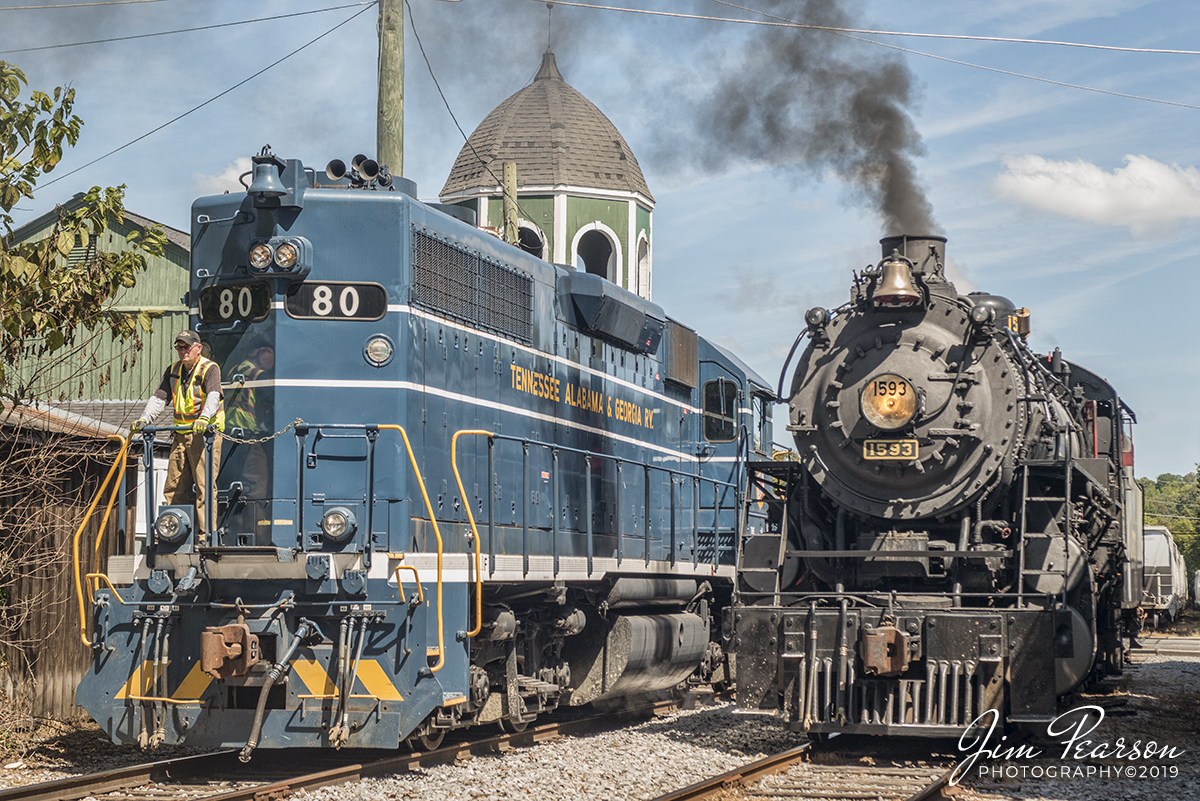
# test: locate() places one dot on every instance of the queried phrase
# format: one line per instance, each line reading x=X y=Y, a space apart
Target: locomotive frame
x=473 y=487
x=950 y=551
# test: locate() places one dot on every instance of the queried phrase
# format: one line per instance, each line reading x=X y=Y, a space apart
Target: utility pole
x=389 y=114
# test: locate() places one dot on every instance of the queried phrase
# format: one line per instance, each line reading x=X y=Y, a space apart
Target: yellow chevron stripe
x=194 y=683
x=314 y=677
x=376 y=682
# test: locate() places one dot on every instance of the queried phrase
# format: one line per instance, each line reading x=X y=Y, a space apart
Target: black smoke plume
x=817 y=102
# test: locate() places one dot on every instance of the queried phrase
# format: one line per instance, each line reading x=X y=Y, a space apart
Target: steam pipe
x=277 y=671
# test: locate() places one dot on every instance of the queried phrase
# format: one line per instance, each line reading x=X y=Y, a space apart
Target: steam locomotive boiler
x=951 y=537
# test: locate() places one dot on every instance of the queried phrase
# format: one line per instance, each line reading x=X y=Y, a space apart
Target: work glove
x=200 y=424
x=137 y=426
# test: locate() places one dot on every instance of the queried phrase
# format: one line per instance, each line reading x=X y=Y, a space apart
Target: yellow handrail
x=416 y=578
x=436 y=532
x=86 y=517
x=462 y=493
x=98 y=577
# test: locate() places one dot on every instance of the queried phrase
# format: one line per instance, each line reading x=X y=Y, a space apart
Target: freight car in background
x=951 y=542
x=1164 y=576
x=465 y=486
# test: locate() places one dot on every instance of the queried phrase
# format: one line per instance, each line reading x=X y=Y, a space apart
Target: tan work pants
x=185 y=468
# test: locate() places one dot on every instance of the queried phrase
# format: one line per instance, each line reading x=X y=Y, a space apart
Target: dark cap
x=187 y=338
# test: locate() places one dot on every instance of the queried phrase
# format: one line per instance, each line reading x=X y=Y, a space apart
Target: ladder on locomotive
x=1042 y=475
x=764 y=529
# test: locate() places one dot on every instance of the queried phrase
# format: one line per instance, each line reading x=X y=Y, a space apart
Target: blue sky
x=1083 y=207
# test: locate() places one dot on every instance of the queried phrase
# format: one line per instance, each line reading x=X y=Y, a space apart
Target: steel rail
x=122 y=778
x=745 y=776
x=740 y=776
x=183 y=768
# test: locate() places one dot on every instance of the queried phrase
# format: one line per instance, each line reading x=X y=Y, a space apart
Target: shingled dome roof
x=556 y=137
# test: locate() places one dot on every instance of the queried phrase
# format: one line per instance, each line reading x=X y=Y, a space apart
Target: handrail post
x=695 y=520
x=474 y=533
x=301 y=436
x=716 y=524
x=437 y=533
x=620 y=517
x=491 y=473
x=646 y=511
x=151 y=493
x=672 y=477
x=368 y=537
x=557 y=500
x=210 y=486
x=590 y=543
x=525 y=506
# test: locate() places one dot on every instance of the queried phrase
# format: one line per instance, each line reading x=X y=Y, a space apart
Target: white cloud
x=226 y=181
x=1146 y=196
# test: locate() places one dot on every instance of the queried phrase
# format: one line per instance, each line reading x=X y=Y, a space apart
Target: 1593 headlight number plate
x=897 y=449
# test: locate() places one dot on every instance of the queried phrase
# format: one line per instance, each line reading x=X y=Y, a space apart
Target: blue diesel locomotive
x=459 y=485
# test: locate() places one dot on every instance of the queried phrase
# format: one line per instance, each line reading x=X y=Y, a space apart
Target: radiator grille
x=465 y=286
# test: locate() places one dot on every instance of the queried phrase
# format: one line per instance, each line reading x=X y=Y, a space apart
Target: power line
x=784 y=22
x=211 y=99
x=914 y=34
x=467 y=139
x=77 y=5
x=181 y=30
x=846 y=32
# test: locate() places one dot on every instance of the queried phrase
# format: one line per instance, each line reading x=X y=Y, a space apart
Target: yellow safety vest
x=189 y=398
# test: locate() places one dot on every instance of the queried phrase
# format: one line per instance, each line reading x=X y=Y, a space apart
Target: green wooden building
x=582 y=198
x=105 y=380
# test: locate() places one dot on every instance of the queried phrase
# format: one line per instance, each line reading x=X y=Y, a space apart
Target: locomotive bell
x=266 y=181
x=895 y=288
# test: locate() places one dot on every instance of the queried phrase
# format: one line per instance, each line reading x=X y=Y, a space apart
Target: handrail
x=436 y=532
x=416 y=578
x=83 y=524
x=462 y=493
x=98 y=577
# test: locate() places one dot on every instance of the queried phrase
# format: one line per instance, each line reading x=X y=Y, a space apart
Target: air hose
x=278 y=670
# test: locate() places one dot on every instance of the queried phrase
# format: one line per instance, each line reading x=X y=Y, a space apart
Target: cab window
x=720 y=410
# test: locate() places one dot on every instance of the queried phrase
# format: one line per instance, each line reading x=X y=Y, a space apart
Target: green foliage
x=46 y=298
x=1174 y=501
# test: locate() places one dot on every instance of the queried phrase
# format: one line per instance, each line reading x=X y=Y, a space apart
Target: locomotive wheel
x=425 y=738
x=512 y=727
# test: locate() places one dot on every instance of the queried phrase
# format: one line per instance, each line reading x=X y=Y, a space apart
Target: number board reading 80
x=224 y=304
x=336 y=301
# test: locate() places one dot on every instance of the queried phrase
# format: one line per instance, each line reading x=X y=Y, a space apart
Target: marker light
x=889 y=402
x=378 y=351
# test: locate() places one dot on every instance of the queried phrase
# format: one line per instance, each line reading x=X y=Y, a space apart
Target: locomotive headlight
x=260 y=257
x=172 y=526
x=286 y=255
x=339 y=524
x=889 y=402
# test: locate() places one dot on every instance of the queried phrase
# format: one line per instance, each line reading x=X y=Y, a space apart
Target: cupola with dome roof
x=581 y=195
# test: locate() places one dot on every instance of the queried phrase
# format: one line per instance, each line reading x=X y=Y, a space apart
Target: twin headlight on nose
x=280 y=254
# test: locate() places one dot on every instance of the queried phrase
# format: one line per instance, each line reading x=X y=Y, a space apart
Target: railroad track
x=272 y=776
x=791 y=775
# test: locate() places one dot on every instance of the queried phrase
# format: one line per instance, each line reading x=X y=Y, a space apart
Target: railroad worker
x=250 y=409
x=194 y=386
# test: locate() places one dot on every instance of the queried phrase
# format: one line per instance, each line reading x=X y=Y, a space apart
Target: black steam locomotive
x=949 y=543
